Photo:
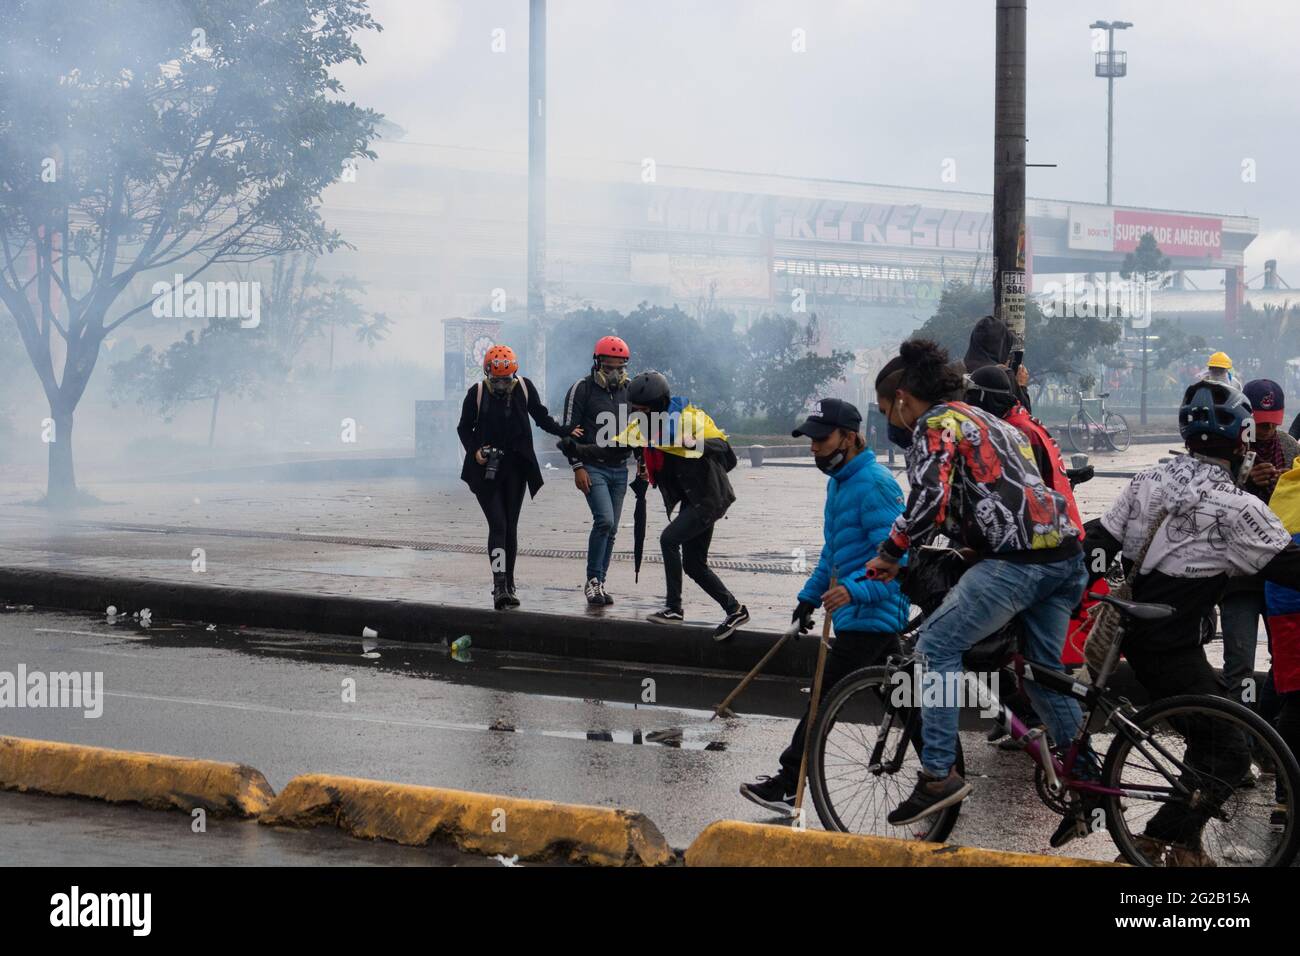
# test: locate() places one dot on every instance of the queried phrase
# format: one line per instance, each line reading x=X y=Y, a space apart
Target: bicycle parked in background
x=1108 y=429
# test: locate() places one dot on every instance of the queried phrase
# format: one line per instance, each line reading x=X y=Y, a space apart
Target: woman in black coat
x=499 y=459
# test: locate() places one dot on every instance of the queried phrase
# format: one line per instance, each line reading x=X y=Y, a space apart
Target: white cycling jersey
x=1212 y=527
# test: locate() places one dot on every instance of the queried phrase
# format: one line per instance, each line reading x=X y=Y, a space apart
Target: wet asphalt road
x=275 y=700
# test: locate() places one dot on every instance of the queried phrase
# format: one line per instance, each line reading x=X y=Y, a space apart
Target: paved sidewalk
x=416 y=540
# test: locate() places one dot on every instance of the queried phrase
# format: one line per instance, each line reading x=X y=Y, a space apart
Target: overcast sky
x=884 y=93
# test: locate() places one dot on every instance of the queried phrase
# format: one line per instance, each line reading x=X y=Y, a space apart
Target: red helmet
x=499 y=361
x=611 y=346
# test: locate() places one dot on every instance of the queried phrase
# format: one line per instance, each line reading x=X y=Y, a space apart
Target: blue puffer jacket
x=862 y=501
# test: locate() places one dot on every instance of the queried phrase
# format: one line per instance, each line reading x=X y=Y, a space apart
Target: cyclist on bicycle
x=973 y=476
x=1213 y=531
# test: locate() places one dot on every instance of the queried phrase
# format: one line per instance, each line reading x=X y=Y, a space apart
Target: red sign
x=1193 y=236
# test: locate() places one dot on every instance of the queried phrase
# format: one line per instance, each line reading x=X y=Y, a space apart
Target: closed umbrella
x=639 y=487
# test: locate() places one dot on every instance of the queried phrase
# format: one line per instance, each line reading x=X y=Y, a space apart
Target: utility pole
x=537 y=192
x=1009 y=172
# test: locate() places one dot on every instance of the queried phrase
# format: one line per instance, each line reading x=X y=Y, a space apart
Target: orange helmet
x=500 y=361
x=611 y=346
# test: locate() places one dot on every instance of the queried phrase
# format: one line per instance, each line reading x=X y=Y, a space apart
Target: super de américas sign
x=1120 y=230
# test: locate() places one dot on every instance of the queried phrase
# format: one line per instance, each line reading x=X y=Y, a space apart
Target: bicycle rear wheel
x=1076 y=430
x=1197 y=791
x=853 y=795
x=1115 y=428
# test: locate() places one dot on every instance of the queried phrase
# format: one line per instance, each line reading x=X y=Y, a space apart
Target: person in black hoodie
x=991 y=343
x=499 y=459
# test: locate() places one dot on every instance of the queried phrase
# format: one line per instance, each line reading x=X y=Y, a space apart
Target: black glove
x=803 y=613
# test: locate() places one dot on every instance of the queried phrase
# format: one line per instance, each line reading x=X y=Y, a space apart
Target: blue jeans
x=986 y=597
x=605 y=499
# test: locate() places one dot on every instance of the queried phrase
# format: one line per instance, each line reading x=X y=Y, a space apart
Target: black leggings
x=1212 y=749
x=849 y=651
x=684 y=543
x=501 y=500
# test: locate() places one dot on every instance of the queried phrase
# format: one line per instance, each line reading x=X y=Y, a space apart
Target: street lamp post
x=1111 y=64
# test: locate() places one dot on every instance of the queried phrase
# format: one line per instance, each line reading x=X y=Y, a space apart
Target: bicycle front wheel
x=1115 y=428
x=864 y=757
x=1205 y=782
x=1076 y=430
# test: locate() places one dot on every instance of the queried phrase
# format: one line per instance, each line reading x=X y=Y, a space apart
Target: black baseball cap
x=828 y=415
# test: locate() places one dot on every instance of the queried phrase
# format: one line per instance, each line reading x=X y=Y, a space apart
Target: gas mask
x=501 y=385
x=610 y=378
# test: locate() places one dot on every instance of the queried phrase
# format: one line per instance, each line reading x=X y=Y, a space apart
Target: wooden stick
x=790 y=632
x=812 y=705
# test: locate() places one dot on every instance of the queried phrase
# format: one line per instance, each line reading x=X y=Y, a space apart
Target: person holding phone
x=1242 y=604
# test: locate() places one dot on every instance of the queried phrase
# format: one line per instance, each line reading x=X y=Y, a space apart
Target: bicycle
x=1195 y=762
x=1083 y=430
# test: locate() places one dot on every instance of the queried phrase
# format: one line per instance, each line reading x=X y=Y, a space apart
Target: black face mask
x=829 y=464
x=900 y=436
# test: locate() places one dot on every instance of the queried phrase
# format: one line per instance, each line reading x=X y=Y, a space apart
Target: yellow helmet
x=1219 y=360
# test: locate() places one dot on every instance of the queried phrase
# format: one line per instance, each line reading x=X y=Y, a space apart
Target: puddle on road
x=678 y=720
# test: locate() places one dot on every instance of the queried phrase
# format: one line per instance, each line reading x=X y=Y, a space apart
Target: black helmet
x=990 y=388
x=1214 y=413
x=649 y=390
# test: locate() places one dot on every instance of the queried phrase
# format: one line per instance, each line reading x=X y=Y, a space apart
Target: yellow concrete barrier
x=732 y=843
x=121 y=776
x=475 y=822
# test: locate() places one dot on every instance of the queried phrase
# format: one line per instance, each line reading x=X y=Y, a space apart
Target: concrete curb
x=585 y=637
x=156 y=781
x=732 y=843
x=488 y=824
x=475 y=822
x=589 y=637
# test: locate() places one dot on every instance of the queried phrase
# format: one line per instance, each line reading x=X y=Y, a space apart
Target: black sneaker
x=1077 y=822
x=734 y=620
x=931 y=795
x=605 y=594
x=512 y=599
x=772 y=793
x=500 y=597
x=667 y=616
x=592 y=590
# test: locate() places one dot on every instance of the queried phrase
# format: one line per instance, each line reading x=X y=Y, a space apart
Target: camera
x=494 y=456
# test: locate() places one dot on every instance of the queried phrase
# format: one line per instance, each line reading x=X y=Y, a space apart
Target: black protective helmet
x=649 y=390
x=1214 y=413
